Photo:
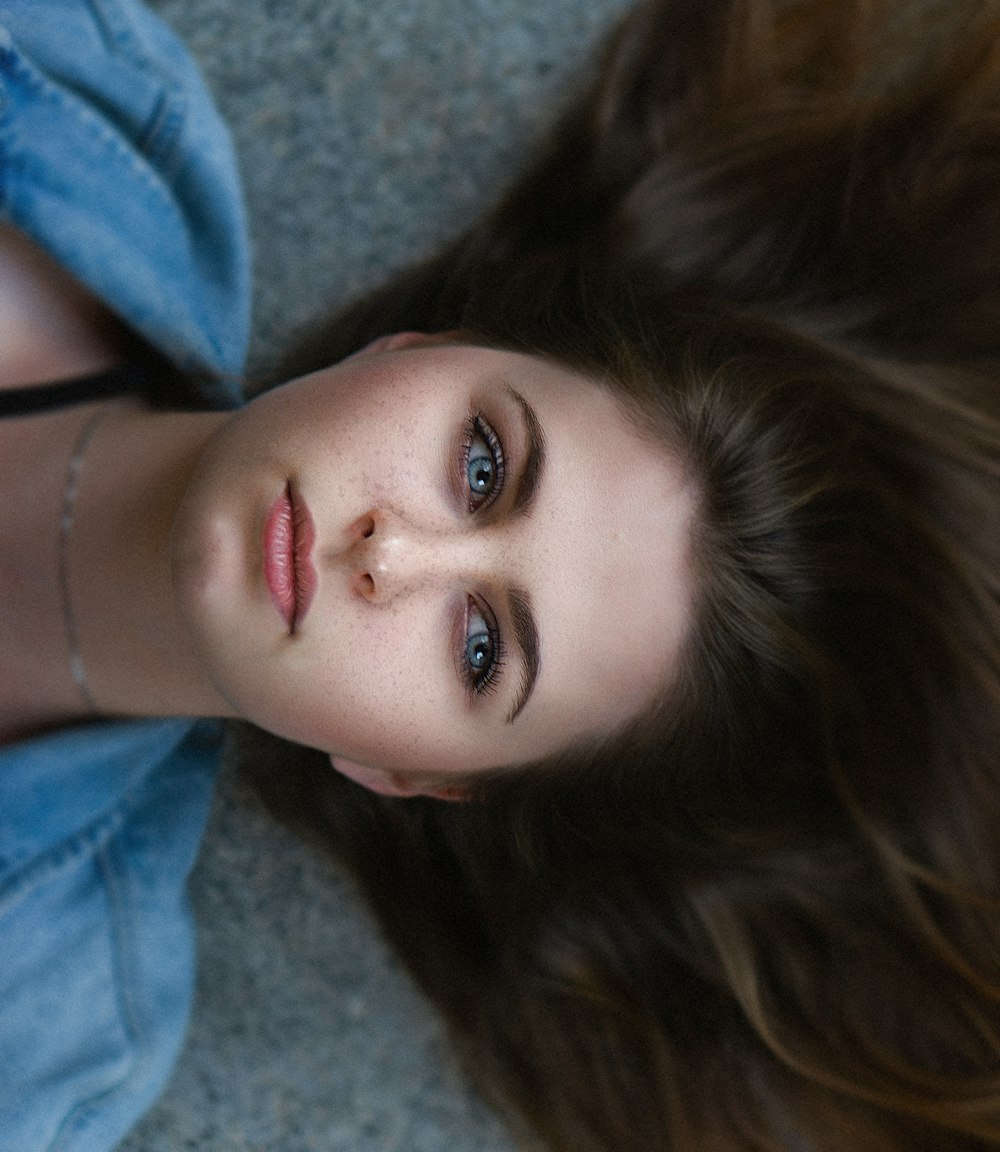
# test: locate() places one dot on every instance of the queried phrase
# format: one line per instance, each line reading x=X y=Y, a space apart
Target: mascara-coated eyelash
x=483 y=655
x=484 y=465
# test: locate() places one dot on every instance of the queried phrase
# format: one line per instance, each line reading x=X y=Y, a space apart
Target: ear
x=394 y=341
x=395 y=783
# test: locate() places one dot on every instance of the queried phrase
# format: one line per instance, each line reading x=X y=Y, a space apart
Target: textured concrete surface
x=368 y=131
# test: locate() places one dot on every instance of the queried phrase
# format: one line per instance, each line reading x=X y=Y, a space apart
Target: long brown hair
x=764 y=915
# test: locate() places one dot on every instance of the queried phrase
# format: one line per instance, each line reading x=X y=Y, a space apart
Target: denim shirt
x=99 y=826
x=113 y=158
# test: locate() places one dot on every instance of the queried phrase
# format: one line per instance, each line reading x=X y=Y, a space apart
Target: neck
x=115 y=603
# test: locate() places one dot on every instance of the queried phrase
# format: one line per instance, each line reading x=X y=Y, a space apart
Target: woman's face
x=435 y=558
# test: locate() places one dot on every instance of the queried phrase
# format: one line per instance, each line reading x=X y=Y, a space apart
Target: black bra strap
x=123 y=380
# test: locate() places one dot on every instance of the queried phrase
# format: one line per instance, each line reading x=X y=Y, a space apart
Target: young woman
x=762 y=915
x=659 y=531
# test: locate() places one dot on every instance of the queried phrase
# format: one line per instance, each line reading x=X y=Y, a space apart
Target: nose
x=390 y=556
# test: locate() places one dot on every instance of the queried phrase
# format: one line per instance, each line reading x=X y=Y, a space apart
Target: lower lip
x=289 y=536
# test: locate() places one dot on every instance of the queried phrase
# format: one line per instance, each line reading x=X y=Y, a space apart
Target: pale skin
x=52 y=329
x=425 y=572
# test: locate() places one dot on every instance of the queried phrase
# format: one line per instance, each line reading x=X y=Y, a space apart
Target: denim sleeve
x=114 y=159
x=99 y=827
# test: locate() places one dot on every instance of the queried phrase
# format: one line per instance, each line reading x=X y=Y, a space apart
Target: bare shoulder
x=50 y=326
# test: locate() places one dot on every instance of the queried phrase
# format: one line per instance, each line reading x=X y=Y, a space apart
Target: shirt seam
x=74 y=106
x=83 y=1112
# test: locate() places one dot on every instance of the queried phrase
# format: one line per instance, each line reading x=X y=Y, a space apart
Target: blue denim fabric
x=113 y=157
x=99 y=827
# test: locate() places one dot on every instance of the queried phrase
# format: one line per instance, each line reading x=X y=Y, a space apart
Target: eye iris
x=482 y=475
x=479 y=651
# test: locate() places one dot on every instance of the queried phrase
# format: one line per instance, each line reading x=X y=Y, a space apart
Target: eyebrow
x=534 y=457
x=526 y=635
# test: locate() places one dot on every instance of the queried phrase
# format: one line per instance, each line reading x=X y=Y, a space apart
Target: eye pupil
x=479 y=651
x=481 y=475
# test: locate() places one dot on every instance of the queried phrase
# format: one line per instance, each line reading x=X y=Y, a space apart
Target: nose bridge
x=394 y=556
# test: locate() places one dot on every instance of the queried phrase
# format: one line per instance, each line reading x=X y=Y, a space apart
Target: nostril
x=364 y=585
x=362 y=529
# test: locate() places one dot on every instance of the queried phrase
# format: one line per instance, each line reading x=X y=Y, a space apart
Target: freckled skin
x=375 y=673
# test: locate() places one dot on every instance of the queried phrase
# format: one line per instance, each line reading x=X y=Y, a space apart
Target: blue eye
x=479 y=651
x=483 y=654
x=484 y=464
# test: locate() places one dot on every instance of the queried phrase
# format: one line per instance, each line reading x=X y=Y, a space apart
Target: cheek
x=374 y=691
x=376 y=464
x=388 y=480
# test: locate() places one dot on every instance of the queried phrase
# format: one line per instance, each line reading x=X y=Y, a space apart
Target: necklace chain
x=66 y=519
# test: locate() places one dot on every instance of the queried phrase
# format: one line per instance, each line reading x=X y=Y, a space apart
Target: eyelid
x=477 y=425
x=521 y=485
x=485 y=681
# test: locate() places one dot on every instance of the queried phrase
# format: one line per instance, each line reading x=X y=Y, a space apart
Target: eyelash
x=484 y=681
x=477 y=428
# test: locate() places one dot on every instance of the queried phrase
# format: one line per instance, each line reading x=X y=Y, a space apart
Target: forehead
x=607 y=556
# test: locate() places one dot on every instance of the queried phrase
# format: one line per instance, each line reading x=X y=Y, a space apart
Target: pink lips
x=289 y=535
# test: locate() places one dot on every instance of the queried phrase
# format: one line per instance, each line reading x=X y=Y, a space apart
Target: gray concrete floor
x=368 y=132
